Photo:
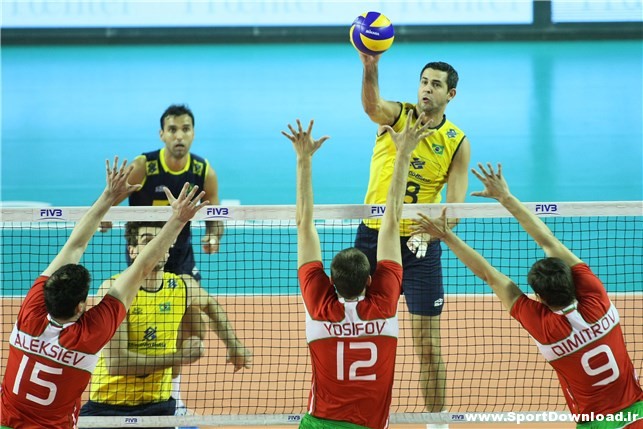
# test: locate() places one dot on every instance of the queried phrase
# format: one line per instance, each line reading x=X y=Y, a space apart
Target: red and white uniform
x=584 y=343
x=352 y=346
x=50 y=365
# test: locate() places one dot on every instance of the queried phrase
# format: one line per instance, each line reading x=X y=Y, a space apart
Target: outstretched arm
x=502 y=286
x=184 y=208
x=117 y=189
x=388 y=241
x=496 y=187
x=308 y=246
x=238 y=355
x=380 y=111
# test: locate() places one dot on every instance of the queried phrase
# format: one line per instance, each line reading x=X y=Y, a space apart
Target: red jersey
x=50 y=365
x=352 y=346
x=584 y=344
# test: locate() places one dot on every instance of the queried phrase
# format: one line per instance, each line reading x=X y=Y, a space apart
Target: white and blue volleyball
x=372 y=33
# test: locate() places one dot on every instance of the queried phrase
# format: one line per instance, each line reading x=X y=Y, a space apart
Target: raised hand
x=303 y=141
x=117 y=186
x=435 y=227
x=407 y=139
x=495 y=185
x=186 y=205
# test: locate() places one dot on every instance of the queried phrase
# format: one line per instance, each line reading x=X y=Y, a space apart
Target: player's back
x=49 y=364
x=352 y=346
x=584 y=344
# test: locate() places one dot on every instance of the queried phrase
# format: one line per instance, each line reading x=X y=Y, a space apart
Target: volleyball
x=372 y=33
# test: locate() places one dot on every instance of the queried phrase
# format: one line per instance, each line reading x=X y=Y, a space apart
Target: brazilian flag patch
x=437 y=149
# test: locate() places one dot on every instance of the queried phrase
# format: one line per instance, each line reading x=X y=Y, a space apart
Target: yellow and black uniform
x=428 y=172
x=152 y=328
x=430 y=162
x=158 y=175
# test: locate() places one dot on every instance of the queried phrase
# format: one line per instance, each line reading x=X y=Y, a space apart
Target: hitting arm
x=380 y=111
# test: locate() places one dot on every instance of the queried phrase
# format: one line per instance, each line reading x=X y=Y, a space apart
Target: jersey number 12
x=352 y=370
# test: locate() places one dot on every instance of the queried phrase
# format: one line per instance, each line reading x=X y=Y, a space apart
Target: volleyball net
x=492 y=366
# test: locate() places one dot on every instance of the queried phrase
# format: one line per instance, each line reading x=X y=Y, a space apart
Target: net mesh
x=492 y=365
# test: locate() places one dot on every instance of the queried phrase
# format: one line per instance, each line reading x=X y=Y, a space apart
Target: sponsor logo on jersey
x=151 y=168
x=417 y=163
x=419 y=177
x=150 y=334
x=451 y=133
x=197 y=168
x=136 y=310
x=165 y=307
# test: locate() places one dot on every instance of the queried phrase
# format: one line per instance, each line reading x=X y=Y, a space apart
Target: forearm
x=469 y=257
x=155 y=251
x=220 y=324
x=395 y=196
x=370 y=88
x=137 y=364
x=535 y=227
x=214 y=227
x=304 y=213
x=88 y=224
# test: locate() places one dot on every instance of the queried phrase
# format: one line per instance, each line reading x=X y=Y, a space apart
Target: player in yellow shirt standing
x=442 y=158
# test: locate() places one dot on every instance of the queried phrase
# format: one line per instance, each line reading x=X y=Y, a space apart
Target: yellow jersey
x=152 y=328
x=428 y=172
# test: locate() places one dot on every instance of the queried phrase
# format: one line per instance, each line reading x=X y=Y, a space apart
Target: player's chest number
x=412 y=191
x=355 y=365
x=34 y=377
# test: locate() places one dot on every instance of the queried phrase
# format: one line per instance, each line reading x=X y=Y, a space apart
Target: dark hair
x=131 y=230
x=176 y=110
x=551 y=278
x=65 y=289
x=452 y=75
x=350 y=270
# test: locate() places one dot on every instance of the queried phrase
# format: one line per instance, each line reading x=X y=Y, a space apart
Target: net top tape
x=325 y=211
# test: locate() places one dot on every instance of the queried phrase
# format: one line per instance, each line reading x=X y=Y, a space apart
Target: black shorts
x=164 y=408
x=422 y=278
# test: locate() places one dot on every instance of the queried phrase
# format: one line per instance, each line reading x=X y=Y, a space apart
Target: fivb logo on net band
x=48 y=214
x=546 y=209
x=217 y=213
x=376 y=211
